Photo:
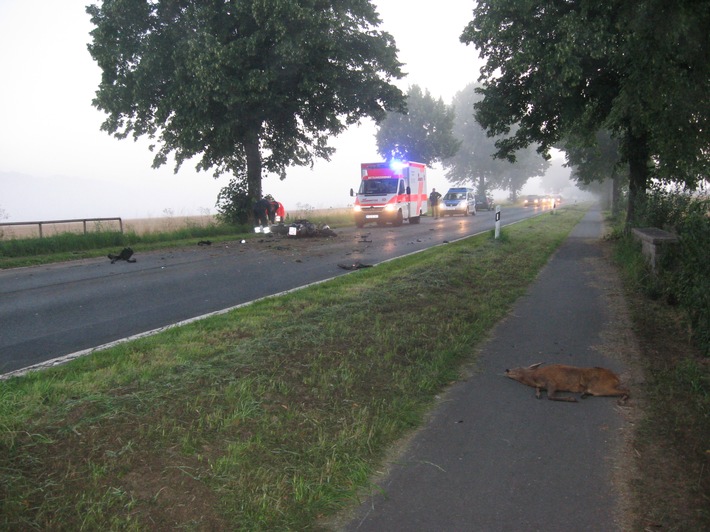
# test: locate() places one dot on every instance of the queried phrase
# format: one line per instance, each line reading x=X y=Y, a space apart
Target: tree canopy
x=474 y=162
x=244 y=85
x=422 y=134
x=639 y=69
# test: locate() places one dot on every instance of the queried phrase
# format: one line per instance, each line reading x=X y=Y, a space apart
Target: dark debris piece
x=354 y=266
x=125 y=254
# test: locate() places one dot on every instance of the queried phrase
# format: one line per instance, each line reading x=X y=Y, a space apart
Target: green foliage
x=242 y=86
x=423 y=134
x=667 y=208
x=595 y=161
x=684 y=276
x=233 y=202
x=636 y=68
x=691 y=278
x=474 y=162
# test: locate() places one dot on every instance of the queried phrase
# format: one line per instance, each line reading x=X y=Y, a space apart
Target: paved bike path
x=492 y=457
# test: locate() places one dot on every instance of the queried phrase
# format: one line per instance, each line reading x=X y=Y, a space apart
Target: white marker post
x=497 y=221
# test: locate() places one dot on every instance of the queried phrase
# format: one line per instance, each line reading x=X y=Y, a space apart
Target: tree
x=422 y=134
x=246 y=85
x=637 y=68
x=474 y=162
x=597 y=163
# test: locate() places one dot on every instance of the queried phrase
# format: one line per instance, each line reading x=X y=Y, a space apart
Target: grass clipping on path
x=269 y=417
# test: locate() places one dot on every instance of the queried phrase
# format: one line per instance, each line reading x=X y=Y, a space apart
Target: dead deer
x=560 y=378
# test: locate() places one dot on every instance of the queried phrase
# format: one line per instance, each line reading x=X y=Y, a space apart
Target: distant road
x=51 y=311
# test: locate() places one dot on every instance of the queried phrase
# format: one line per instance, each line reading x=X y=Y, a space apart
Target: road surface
x=47 y=312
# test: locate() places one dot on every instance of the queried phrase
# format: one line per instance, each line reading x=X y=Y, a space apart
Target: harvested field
x=140 y=226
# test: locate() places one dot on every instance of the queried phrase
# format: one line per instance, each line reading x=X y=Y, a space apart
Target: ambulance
x=390 y=192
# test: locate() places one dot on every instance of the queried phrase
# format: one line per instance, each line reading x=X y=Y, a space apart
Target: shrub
x=684 y=277
x=233 y=203
x=690 y=278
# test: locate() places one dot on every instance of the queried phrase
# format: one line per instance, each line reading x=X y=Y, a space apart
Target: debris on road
x=304 y=228
x=354 y=266
x=125 y=254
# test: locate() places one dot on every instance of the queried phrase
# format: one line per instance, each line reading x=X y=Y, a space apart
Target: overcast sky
x=56 y=163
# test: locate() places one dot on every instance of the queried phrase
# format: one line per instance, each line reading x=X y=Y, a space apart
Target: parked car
x=484 y=203
x=458 y=201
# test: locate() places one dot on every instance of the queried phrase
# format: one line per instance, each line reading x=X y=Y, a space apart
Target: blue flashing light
x=397 y=165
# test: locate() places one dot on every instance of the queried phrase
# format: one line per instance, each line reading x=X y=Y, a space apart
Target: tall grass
x=72 y=242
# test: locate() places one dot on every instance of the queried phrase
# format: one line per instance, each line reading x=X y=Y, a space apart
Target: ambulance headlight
x=357 y=208
x=390 y=207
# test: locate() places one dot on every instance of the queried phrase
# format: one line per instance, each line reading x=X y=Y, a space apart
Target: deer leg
x=552 y=396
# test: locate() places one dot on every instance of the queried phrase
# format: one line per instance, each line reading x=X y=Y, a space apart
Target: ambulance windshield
x=379 y=186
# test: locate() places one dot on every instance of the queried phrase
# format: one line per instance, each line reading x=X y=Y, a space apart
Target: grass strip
x=68 y=246
x=269 y=417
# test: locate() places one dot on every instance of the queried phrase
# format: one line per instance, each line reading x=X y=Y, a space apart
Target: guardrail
x=55 y=222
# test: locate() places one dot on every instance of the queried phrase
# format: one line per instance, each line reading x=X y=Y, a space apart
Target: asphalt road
x=47 y=312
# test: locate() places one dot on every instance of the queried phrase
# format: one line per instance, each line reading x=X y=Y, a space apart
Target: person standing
x=434 y=198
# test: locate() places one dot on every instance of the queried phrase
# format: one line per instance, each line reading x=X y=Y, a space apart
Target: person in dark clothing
x=434 y=198
x=262 y=210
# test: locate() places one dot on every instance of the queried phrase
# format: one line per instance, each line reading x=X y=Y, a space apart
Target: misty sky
x=56 y=163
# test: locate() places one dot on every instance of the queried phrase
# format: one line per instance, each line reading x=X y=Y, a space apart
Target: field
x=142 y=226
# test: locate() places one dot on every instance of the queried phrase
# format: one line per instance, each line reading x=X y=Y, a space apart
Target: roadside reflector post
x=497 y=221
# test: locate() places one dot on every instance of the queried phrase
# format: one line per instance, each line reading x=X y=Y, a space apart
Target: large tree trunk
x=253 y=156
x=638 y=156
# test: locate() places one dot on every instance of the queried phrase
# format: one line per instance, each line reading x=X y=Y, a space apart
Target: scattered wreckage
x=303 y=228
x=299 y=228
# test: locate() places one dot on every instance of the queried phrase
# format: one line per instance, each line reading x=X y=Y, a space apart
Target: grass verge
x=67 y=246
x=269 y=417
x=672 y=440
x=63 y=247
